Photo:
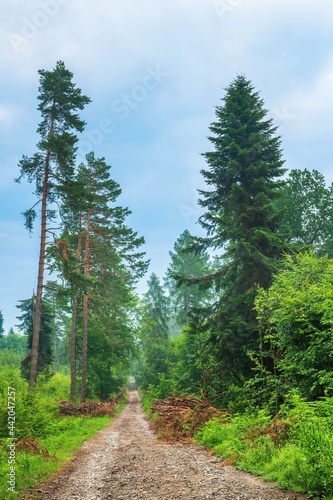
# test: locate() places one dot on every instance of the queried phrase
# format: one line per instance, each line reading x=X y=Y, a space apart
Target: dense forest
x=242 y=316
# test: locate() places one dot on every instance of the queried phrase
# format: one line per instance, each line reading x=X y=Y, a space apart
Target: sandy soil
x=126 y=461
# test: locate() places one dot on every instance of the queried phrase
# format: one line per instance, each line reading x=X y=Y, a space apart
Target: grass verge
x=38 y=458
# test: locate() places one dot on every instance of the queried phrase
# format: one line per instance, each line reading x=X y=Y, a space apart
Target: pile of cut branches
x=180 y=417
x=92 y=408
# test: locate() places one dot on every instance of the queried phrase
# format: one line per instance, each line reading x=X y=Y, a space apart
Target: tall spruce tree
x=52 y=166
x=243 y=175
x=157 y=306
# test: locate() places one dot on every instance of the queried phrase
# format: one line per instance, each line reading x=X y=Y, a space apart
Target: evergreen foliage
x=51 y=168
x=243 y=177
x=2 y=331
x=191 y=367
x=98 y=256
x=46 y=335
x=186 y=298
x=154 y=334
x=110 y=258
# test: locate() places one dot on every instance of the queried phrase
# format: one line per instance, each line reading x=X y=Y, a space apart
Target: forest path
x=125 y=461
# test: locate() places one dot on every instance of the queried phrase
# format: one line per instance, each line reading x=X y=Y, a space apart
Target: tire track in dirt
x=126 y=461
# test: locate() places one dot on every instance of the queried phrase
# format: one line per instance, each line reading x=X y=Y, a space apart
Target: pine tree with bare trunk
x=110 y=256
x=51 y=167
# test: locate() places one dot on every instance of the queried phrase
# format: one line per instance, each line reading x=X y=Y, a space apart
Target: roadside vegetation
x=45 y=441
x=294 y=449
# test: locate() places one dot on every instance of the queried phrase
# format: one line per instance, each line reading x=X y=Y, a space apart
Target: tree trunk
x=187 y=301
x=40 y=280
x=187 y=304
x=41 y=266
x=54 y=337
x=73 y=348
x=85 y=315
x=84 y=349
x=74 y=321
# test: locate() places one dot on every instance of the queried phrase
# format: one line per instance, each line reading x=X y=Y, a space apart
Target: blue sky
x=155 y=70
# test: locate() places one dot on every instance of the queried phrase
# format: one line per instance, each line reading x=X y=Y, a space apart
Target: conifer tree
x=157 y=306
x=243 y=175
x=154 y=332
x=52 y=166
x=66 y=255
x=185 y=263
x=46 y=333
x=110 y=257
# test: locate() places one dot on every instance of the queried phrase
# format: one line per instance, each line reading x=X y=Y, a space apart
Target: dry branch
x=179 y=418
x=91 y=408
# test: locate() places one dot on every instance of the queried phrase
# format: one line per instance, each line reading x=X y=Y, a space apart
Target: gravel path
x=125 y=461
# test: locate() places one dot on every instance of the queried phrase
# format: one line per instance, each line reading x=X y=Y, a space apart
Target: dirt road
x=125 y=461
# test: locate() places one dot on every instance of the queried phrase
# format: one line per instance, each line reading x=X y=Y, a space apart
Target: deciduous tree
x=295 y=316
x=307 y=204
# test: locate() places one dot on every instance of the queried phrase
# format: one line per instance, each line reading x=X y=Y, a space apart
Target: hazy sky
x=155 y=70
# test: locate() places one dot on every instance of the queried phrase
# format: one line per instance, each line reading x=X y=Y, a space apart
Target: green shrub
x=295 y=449
x=147 y=401
x=231 y=437
x=256 y=455
x=286 y=468
x=57 y=387
x=312 y=434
